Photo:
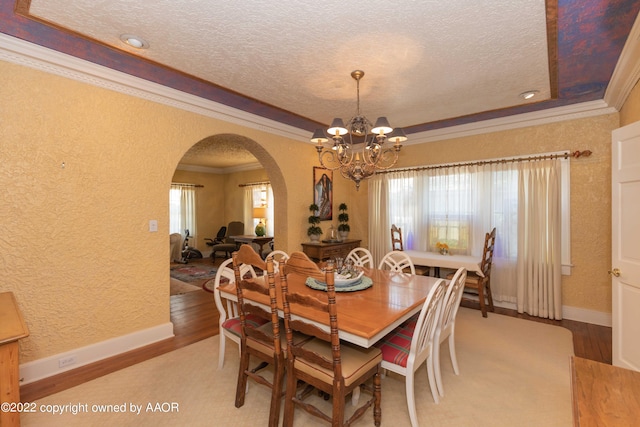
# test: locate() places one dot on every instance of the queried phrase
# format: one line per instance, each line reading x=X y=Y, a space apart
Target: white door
x=625 y=241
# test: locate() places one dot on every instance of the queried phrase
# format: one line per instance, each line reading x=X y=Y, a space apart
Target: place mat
x=363 y=283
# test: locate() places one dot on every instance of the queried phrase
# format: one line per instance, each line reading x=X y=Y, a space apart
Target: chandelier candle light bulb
x=353 y=164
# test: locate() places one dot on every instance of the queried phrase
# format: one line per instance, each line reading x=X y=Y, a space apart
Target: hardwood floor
x=195 y=318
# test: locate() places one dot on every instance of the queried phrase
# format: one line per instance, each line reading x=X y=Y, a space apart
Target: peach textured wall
x=83 y=171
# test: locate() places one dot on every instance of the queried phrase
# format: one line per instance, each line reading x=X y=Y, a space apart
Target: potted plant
x=314 y=231
x=343 y=218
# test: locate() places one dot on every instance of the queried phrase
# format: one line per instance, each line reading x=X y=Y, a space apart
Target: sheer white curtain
x=256 y=196
x=498 y=192
x=431 y=206
x=458 y=204
x=451 y=206
x=182 y=210
x=539 y=239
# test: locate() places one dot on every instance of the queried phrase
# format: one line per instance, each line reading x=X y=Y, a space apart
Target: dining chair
x=396 y=238
x=263 y=342
x=324 y=363
x=361 y=257
x=479 y=284
x=229 y=320
x=398 y=245
x=396 y=261
x=447 y=325
x=278 y=257
x=411 y=344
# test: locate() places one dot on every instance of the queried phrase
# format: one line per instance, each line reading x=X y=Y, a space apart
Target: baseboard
x=572 y=313
x=587 y=316
x=48 y=366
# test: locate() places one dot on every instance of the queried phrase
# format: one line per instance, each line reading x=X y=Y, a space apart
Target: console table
x=319 y=251
x=12 y=328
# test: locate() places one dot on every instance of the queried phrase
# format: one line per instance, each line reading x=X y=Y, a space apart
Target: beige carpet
x=513 y=373
x=177 y=287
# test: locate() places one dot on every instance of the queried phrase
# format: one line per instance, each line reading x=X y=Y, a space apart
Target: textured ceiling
x=424 y=61
x=428 y=64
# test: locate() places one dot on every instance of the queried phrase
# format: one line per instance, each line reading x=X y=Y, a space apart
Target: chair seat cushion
x=298 y=338
x=233 y=325
x=473 y=280
x=396 y=344
x=356 y=361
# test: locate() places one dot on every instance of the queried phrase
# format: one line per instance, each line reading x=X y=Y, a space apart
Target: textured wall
x=75 y=247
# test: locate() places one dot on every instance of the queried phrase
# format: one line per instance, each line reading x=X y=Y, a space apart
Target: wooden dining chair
x=407 y=347
x=447 y=325
x=398 y=245
x=361 y=257
x=324 y=363
x=396 y=238
x=397 y=261
x=229 y=319
x=482 y=285
x=263 y=342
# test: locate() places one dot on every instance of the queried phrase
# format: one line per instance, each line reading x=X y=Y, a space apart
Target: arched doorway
x=220 y=163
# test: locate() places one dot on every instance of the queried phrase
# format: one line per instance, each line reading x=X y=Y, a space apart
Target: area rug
x=176 y=287
x=513 y=372
x=193 y=272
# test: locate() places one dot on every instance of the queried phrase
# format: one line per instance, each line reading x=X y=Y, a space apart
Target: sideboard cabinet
x=319 y=251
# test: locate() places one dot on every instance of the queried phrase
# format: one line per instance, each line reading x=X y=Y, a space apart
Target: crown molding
x=50 y=61
x=535 y=118
x=627 y=71
x=44 y=59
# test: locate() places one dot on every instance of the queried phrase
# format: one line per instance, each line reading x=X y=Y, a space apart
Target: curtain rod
x=249 y=184
x=187 y=185
x=565 y=155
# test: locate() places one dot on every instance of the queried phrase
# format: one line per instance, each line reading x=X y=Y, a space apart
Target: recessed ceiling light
x=529 y=94
x=134 y=41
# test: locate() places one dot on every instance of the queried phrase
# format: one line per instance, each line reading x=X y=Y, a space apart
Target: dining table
x=447 y=260
x=364 y=316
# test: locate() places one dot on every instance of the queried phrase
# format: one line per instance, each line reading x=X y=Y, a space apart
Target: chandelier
x=358 y=148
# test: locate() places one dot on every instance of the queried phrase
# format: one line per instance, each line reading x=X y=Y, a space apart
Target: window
x=182 y=209
x=458 y=204
x=256 y=196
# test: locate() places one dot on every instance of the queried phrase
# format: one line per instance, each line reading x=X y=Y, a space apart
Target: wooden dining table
x=364 y=316
x=437 y=260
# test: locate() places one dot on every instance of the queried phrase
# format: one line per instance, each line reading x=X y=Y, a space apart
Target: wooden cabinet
x=604 y=395
x=319 y=251
x=12 y=328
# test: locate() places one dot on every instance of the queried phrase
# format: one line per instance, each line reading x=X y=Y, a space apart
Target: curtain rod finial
x=585 y=153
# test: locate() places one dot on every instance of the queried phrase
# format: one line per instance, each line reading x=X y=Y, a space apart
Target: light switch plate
x=153 y=225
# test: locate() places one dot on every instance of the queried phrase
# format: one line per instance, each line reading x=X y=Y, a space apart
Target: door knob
x=615 y=272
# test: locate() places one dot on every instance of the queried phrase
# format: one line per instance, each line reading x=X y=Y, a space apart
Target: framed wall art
x=323 y=192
